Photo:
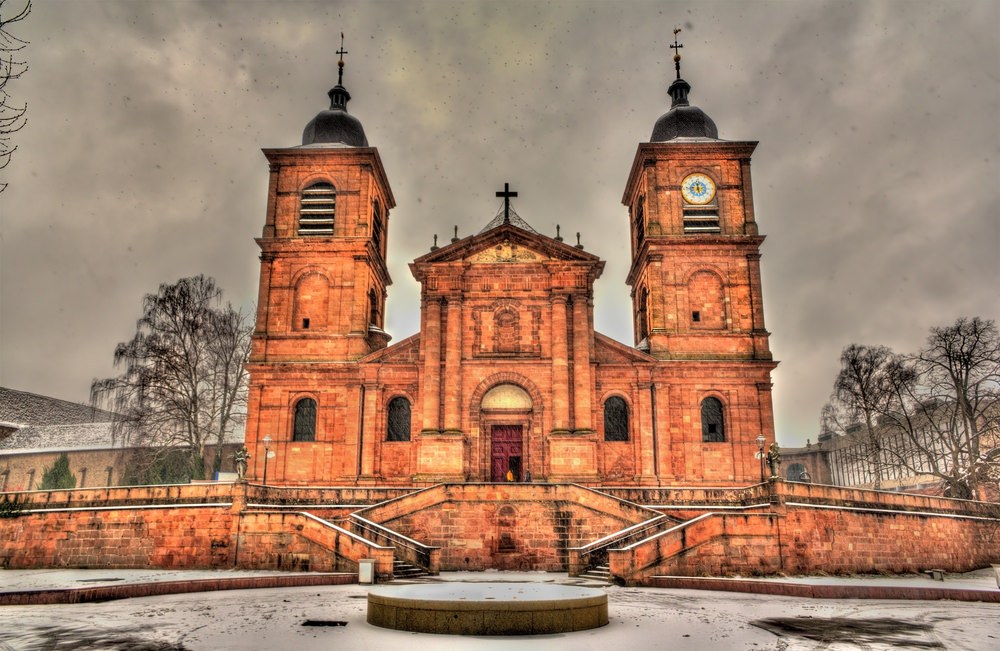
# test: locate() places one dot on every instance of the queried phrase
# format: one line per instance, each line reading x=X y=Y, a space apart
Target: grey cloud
x=874 y=179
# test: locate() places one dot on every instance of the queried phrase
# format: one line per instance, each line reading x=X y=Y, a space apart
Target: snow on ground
x=641 y=618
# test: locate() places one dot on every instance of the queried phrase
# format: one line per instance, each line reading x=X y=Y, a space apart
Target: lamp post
x=760 y=455
x=267 y=452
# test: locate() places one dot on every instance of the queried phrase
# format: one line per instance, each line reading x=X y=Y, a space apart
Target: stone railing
x=635 y=563
x=322 y=496
x=342 y=549
x=207 y=493
x=596 y=553
x=407 y=549
x=864 y=498
x=690 y=496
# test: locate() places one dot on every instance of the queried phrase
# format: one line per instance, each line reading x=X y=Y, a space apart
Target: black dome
x=683 y=120
x=335 y=124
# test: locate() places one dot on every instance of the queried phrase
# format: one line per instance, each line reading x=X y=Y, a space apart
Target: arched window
x=642 y=314
x=373 y=311
x=640 y=222
x=377 y=227
x=398 y=421
x=319 y=206
x=615 y=419
x=713 y=427
x=796 y=472
x=305 y=420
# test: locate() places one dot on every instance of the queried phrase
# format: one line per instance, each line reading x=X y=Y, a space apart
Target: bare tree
x=934 y=413
x=860 y=395
x=947 y=406
x=12 y=114
x=183 y=383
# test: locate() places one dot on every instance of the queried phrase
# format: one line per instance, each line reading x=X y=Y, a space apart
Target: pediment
x=609 y=351
x=406 y=351
x=507 y=244
x=505 y=252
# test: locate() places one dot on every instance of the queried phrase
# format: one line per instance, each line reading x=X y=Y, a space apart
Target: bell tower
x=695 y=273
x=323 y=271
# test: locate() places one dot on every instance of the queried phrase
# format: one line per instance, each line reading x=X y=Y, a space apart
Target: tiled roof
x=23 y=408
x=513 y=218
x=76 y=436
x=40 y=423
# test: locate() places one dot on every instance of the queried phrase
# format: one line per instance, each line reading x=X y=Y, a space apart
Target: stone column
x=560 y=366
x=642 y=428
x=370 y=434
x=430 y=380
x=452 y=387
x=582 y=334
x=761 y=349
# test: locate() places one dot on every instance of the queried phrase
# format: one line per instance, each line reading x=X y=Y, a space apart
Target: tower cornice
x=647 y=154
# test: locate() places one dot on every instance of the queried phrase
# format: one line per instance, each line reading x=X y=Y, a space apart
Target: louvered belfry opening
x=319 y=207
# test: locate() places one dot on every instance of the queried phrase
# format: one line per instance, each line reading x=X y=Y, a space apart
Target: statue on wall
x=241 y=457
x=774 y=460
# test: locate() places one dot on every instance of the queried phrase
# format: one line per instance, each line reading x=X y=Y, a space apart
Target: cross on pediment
x=506 y=194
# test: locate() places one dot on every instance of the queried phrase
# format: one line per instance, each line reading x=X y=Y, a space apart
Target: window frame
x=617 y=435
x=302 y=401
x=713 y=437
x=392 y=436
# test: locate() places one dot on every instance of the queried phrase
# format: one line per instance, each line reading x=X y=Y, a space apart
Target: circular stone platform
x=487 y=608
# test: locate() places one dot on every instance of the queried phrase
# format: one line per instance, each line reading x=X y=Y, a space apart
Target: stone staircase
x=598 y=573
x=404 y=570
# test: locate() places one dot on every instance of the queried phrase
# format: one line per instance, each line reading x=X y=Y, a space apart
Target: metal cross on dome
x=340 y=64
x=676 y=47
x=506 y=194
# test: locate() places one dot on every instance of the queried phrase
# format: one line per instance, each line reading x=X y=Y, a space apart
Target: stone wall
x=184 y=526
x=766 y=529
x=189 y=537
x=506 y=526
x=810 y=529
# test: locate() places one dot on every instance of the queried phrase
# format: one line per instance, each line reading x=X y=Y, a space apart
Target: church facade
x=507 y=380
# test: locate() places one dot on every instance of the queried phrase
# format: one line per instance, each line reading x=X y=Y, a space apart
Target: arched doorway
x=506 y=414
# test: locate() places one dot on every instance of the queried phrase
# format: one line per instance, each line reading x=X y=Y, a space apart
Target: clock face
x=698 y=189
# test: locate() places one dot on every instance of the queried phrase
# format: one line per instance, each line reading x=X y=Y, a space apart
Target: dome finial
x=676 y=47
x=335 y=125
x=682 y=120
x=340 y=63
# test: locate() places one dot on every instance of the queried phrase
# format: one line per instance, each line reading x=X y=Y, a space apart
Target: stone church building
x=507 y=377
x=417 y=455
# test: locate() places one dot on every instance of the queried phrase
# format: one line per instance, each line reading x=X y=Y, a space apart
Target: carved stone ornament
x=506 y=251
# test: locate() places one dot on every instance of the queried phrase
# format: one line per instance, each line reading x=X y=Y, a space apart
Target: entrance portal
x=506 y=452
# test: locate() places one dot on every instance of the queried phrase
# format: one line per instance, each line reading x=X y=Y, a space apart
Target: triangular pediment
x=505 y=244
x=406 y=351
x=609 y=351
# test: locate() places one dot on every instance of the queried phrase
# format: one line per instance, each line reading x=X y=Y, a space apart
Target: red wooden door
x=506 y=452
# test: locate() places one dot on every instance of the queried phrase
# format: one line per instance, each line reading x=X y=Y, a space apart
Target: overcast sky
x=875 y=179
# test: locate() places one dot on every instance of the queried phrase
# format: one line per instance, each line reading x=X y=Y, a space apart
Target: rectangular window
x=305 y=324
x=696 y=316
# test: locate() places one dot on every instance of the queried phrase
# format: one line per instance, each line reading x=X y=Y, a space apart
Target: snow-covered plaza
x=640 y=618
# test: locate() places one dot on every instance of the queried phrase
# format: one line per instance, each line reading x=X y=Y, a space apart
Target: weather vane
x=340 y=63
x=676 y=47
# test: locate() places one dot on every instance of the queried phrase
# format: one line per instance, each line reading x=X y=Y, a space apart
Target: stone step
x=598 y=573
x=404 y=570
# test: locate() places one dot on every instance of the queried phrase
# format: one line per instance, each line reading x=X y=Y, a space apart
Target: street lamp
x=267 y=453
x=760 y=455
